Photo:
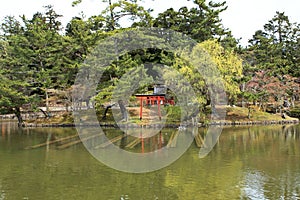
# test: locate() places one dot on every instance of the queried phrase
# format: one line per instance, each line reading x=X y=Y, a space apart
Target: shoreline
x=132 y=125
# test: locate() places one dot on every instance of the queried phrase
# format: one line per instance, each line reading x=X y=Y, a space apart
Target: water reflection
x=254 y=185
x=2 y=192
x=143 y=140
x=245 y=163
x=143 y=150
x=271 y=159
x=259 y=185
x=211 y=138
x=7 y=128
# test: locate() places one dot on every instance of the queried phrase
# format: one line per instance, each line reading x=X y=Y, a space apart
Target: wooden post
x=158 y=107
x=141 y=108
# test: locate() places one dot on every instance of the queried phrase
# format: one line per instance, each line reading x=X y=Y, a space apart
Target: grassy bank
x=170 y=115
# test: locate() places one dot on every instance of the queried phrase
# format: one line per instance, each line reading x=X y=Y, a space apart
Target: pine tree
x=117 y=10
x=274 y=48
x=15 y=76
x=202 y=22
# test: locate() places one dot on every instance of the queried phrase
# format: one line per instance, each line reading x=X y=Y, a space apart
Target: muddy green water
x=260 y=162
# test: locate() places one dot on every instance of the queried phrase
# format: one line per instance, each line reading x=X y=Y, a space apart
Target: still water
x=260 y=162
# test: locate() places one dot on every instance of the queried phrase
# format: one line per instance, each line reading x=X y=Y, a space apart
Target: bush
x=295 y=112
x=173 y=113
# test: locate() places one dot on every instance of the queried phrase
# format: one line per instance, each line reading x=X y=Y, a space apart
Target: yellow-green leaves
x=229 y=65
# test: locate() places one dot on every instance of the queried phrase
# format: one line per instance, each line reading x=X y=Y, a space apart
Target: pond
x=259 y=162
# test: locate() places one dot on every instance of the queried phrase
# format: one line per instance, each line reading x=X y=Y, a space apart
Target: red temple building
x=157 y=98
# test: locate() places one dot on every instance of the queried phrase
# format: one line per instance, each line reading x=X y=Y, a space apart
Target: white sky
x=243 y=17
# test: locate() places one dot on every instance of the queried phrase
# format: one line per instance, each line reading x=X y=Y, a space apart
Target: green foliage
x=202 y=22
x=173 y=114
x=120 y=9
x=276 y=48
x=229 y=65
x=37 y=56
x=295 y=112
x=12 y=94
x=14 y=72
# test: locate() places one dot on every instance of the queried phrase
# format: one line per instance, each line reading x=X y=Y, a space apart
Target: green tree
x=229 y=65
x=37 y=55
x=13 y=95
x=274 y=48
x=15 y=76
x=51 y=55
x=45 y=45
x=117 y=10
x=202 y=22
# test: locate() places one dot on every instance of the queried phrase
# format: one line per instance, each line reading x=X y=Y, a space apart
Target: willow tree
x=230 y=66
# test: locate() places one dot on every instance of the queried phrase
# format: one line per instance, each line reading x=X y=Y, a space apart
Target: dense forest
x=39 y=57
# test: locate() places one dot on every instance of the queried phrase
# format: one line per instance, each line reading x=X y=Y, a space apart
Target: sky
x=243 y=17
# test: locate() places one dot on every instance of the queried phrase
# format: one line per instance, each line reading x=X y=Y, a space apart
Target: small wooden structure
x=157 y=98
x=151 y=99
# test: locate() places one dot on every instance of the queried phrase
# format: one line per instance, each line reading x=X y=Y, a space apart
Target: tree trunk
x=67 y=106
x=293 y=102
x=123 y=110
x=213 y=110
x=260 y=105
x=106 y=110
x=19 y=117
x=47 y=101
x=243 y=98
x=87 y=103
x=45 y=113
x=249 y=112
x=112 y=16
